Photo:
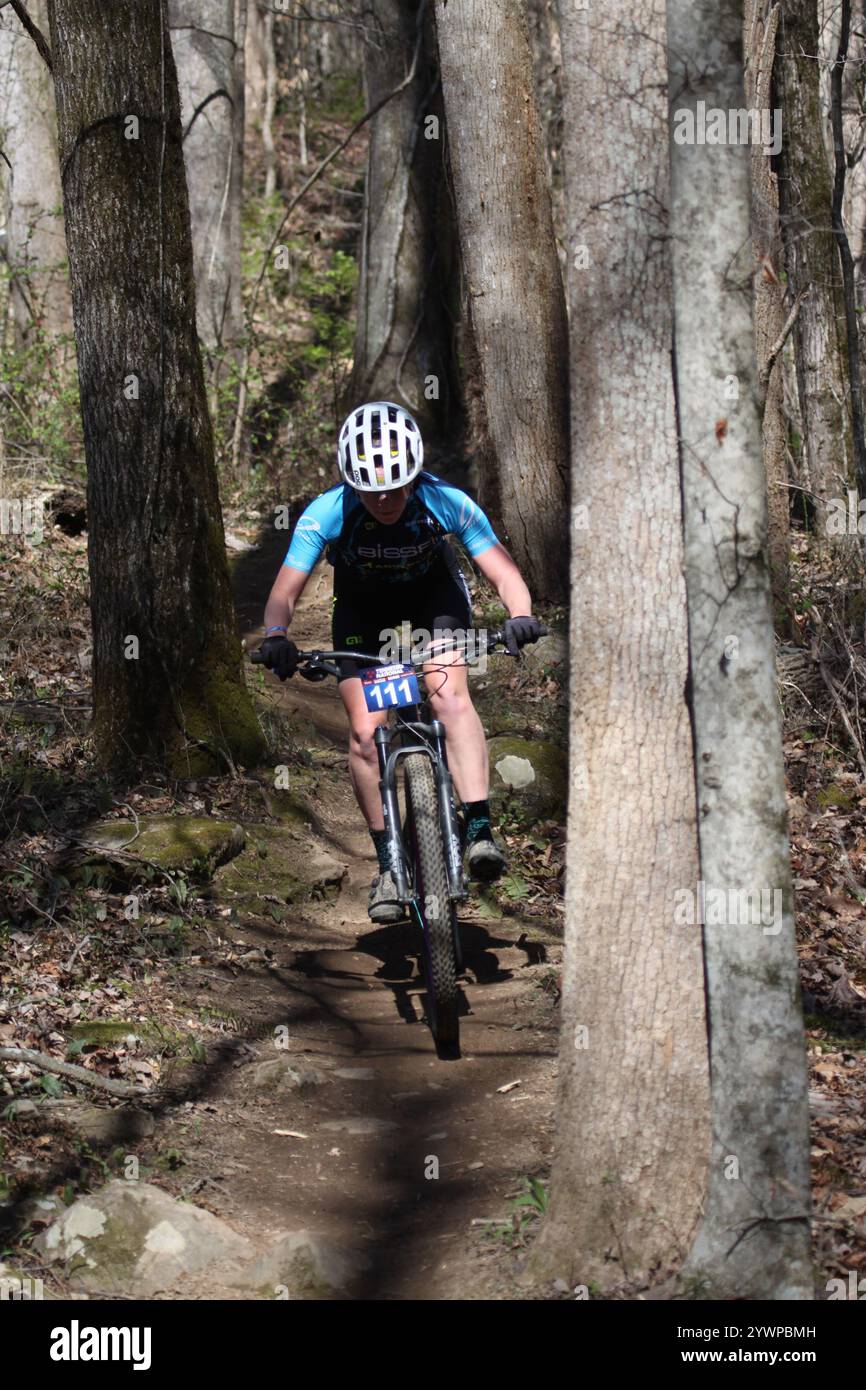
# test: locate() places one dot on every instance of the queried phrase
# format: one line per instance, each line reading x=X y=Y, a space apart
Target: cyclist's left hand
x=518 y=631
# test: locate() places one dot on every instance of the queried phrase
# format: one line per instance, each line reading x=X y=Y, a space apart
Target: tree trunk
x=402 y=348
x=167 y=673
x=207 y=40
x=547 y=68
x=30 y=182
x=260 y=86
x=513 y=277
x=632 y=1125
x=754 y=1240
x=811 y=260
x=759 y=35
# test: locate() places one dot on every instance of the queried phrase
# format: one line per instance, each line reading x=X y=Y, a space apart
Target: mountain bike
x=426 y=844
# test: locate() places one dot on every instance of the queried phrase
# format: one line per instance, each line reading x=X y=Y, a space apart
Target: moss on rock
x=279 y=864
x=192 y=845
x=528 y=775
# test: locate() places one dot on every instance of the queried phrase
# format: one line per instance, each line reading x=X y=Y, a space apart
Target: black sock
x=477 y=821
x=383 y=849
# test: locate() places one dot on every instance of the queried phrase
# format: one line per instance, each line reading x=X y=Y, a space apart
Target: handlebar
x=317 y=664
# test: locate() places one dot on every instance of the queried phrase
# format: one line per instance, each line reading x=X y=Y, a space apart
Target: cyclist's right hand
x=280 y=655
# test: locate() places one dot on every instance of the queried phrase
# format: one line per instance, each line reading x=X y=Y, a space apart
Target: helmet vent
x=380 y=447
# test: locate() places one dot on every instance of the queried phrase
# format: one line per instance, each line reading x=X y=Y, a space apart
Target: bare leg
x=451 y=702
x=363 y=763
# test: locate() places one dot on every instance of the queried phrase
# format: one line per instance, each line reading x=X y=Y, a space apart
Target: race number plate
x=385 y=686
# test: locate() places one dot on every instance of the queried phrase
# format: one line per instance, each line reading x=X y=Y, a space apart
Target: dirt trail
x=386 y=1112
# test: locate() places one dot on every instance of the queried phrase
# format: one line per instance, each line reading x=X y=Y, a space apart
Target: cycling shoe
x=384 y=905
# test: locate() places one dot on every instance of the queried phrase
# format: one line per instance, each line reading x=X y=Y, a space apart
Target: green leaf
x=515 y=888
x=52 y=1086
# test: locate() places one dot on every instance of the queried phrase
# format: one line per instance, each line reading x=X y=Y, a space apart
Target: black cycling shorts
x=436 y=602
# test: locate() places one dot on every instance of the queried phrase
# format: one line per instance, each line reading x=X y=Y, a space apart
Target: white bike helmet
x=393 y=460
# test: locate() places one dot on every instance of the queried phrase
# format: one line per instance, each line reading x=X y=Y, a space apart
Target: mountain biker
x=385 y=526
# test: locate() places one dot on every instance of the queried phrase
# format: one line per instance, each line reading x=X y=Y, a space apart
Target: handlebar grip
x=543 y=630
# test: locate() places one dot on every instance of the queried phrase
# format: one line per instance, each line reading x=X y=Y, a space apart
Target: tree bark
x=811 y=260
x=207 y=40
x=260 y=86
x=167 y=673
x=547 y=69
x=402 y=341
x=759 y=35
x=30 y=181
x=513 y=278
x=754 y=1239
x=632 y=1122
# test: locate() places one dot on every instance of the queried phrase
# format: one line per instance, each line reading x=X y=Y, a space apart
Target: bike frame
x=407 y=734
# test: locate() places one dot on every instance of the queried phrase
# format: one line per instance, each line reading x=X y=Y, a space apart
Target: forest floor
x=406 y=1162
x=219 y=980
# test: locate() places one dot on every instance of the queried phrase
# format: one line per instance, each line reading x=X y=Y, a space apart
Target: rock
x=547 y=657
x=37 y=1211
x=529 y=775
x=20 y=1109
x=359 y=1124
x=289 y=806
x=100 y=1125
x=133 y=1238
x=292 y=869
x=113 y=1032
x=194 y=845
x=355 y=1073
x=282 y=1074
x=305 y=1264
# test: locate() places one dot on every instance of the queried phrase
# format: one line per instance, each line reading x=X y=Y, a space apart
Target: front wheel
x=433 y=900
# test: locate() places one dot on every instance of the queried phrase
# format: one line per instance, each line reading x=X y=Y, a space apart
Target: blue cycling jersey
x=361 y=547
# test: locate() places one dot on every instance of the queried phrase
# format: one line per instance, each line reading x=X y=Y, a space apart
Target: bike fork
x=391 y=811
x=447 y=817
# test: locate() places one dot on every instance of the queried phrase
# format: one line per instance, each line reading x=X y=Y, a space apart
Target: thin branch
x=769 y=364
x=212 y=96
x=43 y=1062
x=197 y=29
x=34 y=31
x=836 y=694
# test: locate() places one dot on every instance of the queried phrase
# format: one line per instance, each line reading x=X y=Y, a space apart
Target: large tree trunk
x=754 y=1241
x=167 y=674
x=208 y=43
x=759 y=34
x=632 y=1125
x=30 y=182
x=514 y=284
x=812 y=259
x=402 y=342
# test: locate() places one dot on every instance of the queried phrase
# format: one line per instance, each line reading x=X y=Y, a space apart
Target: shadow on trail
x=398 y=947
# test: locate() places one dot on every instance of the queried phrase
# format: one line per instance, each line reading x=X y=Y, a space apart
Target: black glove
x=518 y=631
x=280 y=656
